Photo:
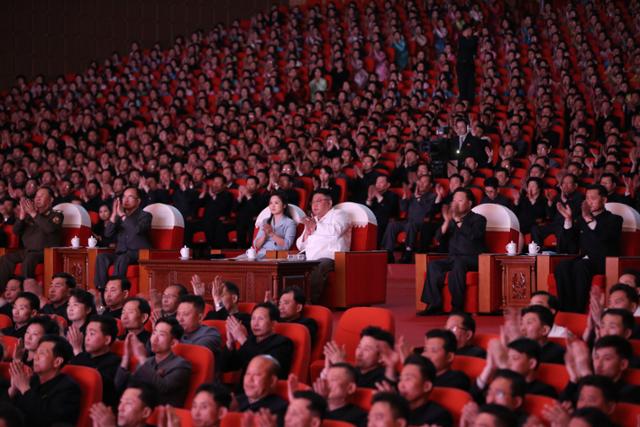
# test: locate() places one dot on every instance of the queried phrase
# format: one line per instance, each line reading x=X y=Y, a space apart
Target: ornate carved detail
x=250 y=286
x=518 y=286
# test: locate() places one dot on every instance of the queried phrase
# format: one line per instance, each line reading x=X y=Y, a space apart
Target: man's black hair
x=351 y=371
x=149 y=394
x=526 y=346
x=621 y=345
x=232 y=288
x=182 y=289
x=298 y=294
x=143 y=304
x=61 y=347
x=628 y=321
x=125 y=284
x=594 y=417
x=274 y=313
x=604 y=384
x=544 y=314
x=503 y=416
x=196 y=300
x=468 y=322
x=518 y=383
x=176 y=330
x=69 y=280
x=317 y=404
x=108 y=325
x=630 y=292
x=467 y=192
x=378 y=334
x=448 y=337
x=552 y=300
x=220 y=393
x=599 y=188
x=427 y=369
x=491 y=182
x=34 y=301
x=49 y=326
x=398 y=404
x=323 y=191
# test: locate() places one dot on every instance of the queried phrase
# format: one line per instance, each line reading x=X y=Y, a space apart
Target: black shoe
x=431 y=311
x=406 y=258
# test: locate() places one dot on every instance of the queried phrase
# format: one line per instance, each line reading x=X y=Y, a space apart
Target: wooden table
x=79 y=262
x=253 y=278
x=506 y=280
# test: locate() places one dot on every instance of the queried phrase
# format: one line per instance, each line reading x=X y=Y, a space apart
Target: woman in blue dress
x=278 y=231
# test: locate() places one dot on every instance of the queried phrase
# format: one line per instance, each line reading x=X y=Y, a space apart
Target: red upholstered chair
x=626 y=414
x=282 y=388
x=90 y=383
x=451 y=399
x=348 y=329
x=555 y=375
x=202 y=367
x=471 y=366
x=629 y=251
x=575 y=322
x=534 y=404
x=5 y=321
x=232 y=419
x=324 y=320
x=299 y=334
x=502 y=227
x=166 y=236
x=360 y=276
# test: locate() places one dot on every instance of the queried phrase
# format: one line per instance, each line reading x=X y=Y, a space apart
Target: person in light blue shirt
x=278 y=231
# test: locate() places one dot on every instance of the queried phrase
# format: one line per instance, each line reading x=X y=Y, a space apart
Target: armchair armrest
x=422 y=261
x=545 y=266
x=360 y=279
x=149 y=254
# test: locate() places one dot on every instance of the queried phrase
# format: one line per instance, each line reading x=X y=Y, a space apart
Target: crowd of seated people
x=363 y=101
x=452 y=377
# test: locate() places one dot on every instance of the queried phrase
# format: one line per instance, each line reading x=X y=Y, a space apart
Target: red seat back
x=355 y=319
x=202 y=367
x=90 y=383
x=167 y=226
x=299 y=334
x=451 y=399
x=324 y=319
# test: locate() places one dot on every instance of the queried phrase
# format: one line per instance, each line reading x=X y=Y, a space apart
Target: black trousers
x=457 y=267
x=573 y=279
x=318 y=278
x=466 y=81
x=120 y=263
x=396 y=227
x=29 y=260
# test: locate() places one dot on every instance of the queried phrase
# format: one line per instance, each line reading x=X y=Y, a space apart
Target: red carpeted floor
x=401 y=301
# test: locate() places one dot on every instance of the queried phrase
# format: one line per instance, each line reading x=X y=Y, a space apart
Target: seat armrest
x=422 y=260
x=545 y=266
x=149 y=254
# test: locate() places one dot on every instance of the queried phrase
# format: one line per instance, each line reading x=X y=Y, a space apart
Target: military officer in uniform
x=130 y=225
x=39 y=227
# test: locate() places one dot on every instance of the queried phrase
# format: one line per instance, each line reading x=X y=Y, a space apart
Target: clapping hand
x=217 y=289
x=292 y=385
x=267 y=228
x=565 y=211
x=333 y=353
x=237 y=330
x=197 y=285
x=309 y=225
x=19 y=378
x=76 y=339
x=586 y=212
x=101 y=415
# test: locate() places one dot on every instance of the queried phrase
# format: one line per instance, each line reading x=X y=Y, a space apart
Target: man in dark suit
x=217 y=209
x=49 y=397
x=492 y=195
x=465 y=67
x=39 y=227
x=250 y=203
x=259 y=383
x=383 y=203
x=164 y=370
x=464 y=231
x=131 y=225
x=464 y=144
x=594 y=236
x=418 y=206
x=291 y=305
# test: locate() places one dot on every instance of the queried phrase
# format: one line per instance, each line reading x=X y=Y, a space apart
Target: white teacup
x=251 y=253
x=92 y=242
x=534 y=248
x=511 y=248
x=75 y=242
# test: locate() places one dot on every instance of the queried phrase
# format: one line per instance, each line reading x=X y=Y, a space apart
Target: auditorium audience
x=115 y=294
x=25 y=308
x=291 y=306
x=58 y=294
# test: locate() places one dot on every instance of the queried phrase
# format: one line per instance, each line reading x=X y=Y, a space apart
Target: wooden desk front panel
x=253 y=278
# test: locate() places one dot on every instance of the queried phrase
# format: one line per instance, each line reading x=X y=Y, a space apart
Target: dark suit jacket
x=215 y=209
x=598 y=243
x=471 y=146
x=56 y=401
x=468 y=239
x=278 y=346
x=170 y=377
x=132 y=233
x=418 y=209
x=386 y=209
x=529 y=214
x=107 y=365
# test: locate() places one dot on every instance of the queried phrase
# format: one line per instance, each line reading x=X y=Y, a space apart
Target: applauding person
x=278 y=231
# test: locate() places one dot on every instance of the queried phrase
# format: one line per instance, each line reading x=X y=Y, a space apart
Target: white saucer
x=530 y=254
